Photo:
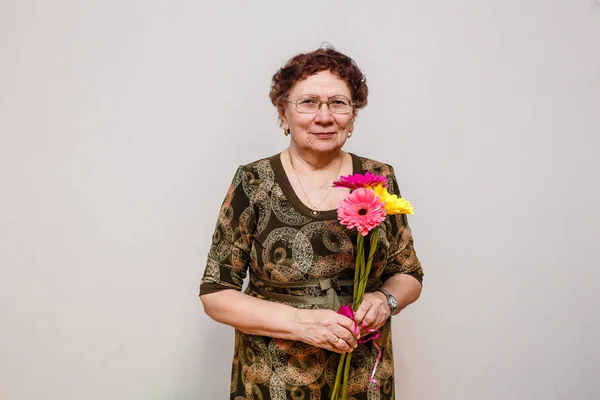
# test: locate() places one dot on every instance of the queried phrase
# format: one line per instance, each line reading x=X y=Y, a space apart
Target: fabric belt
x=329 y=286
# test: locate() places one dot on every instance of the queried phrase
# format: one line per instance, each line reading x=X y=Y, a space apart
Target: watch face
x=393 y=302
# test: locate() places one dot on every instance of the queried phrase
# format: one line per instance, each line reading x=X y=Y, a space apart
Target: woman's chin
x=324 y=145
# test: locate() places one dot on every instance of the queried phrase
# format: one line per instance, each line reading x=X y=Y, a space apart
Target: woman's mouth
x=324 y=135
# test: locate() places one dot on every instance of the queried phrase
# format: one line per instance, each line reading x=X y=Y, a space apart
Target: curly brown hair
x=304 y=65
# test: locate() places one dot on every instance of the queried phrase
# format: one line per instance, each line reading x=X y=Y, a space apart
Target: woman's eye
x=339 y=102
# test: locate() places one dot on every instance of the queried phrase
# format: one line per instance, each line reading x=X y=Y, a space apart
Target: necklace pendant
x=315 y=212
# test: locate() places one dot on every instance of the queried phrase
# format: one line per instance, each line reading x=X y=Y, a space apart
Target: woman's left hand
x=373 y=312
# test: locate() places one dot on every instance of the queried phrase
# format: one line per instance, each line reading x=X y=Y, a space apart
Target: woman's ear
x=351 y=123
x=283 y=119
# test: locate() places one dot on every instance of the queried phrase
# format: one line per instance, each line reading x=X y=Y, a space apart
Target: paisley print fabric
x=265 y=231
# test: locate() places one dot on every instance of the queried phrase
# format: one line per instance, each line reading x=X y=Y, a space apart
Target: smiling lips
x=323 y=135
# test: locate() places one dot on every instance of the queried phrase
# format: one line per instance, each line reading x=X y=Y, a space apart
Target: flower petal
x=361 y=199
x=357 y=181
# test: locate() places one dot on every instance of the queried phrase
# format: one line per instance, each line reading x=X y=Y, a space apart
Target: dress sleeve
x=402 y=258
x=229 y=254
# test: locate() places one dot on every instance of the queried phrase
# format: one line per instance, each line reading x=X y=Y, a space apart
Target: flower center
x=362 y=211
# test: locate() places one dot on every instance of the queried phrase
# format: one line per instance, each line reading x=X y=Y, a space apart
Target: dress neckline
x=288 y=191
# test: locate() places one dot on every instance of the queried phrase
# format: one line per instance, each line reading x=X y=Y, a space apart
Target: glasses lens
x=339 y=105
x=307 y=105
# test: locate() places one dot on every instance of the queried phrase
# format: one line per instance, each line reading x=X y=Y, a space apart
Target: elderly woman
x=279 y=223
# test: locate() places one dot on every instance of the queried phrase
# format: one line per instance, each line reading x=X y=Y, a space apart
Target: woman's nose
x=323 y=114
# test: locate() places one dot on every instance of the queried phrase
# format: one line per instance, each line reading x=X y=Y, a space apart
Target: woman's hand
x=326 y=329
x=372 y=313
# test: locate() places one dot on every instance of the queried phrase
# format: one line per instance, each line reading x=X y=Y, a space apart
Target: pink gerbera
x=360 y=181
x=362 y=209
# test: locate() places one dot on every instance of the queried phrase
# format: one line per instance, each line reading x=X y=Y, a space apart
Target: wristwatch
x=392 y=302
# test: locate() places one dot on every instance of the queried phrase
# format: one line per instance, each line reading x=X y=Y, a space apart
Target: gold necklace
x=315 y=210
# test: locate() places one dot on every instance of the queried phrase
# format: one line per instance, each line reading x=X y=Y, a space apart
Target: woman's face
x=322 y=131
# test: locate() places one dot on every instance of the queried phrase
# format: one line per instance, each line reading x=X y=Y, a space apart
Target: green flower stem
x=346 y=373
x=361 y=278
x=338 y=376
x=367 y=271
x=358 y=269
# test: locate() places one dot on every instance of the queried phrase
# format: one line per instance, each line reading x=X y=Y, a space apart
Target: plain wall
x=122 y=123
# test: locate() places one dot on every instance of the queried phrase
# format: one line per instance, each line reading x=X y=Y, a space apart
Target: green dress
x=265 y=229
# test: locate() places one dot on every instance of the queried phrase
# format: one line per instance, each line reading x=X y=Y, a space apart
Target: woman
x=279 y=222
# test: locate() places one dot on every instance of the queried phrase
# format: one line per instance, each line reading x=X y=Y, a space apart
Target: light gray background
x=122 y=123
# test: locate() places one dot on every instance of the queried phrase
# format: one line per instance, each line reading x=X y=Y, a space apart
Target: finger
x=384 y=317
x=331 y=347
x=347 y=323
x=341 y=345
x=370 y=317
x=379 y=318
x=359 y=315
x=328 y=342
x=346 y=336
x=377 y=323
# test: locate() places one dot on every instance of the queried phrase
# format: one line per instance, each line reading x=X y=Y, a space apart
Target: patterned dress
x=265 y=229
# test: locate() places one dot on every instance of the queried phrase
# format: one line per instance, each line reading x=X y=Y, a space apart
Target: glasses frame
x=320 y=103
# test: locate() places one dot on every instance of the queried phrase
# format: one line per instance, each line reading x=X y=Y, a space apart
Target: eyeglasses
x=312 y=104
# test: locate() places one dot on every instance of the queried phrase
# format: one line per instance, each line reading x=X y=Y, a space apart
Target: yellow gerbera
x=393 y=203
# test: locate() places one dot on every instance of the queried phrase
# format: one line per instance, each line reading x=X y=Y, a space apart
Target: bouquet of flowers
x=364 y=208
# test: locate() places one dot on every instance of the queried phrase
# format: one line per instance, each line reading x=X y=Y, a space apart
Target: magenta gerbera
x=360 y=181
x=362 y=209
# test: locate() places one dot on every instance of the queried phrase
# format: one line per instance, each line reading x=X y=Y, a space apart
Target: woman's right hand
x=326 y=329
